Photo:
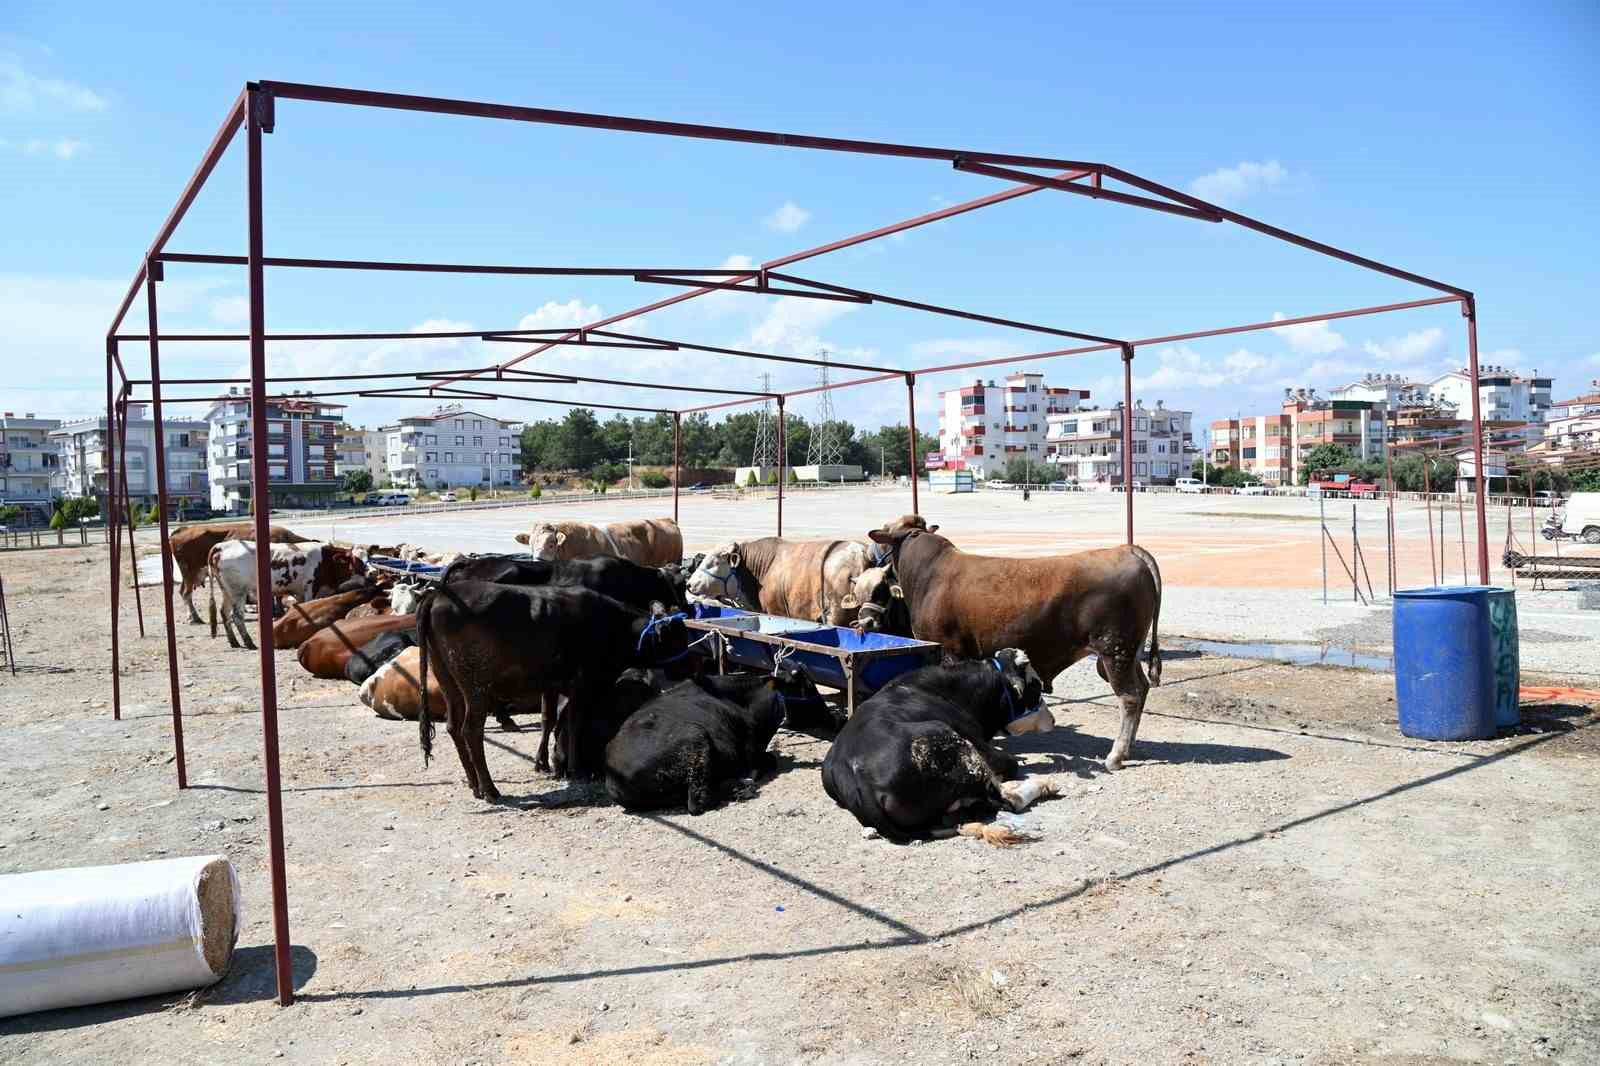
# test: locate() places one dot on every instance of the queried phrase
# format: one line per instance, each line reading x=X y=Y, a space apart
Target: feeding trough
x=856 y=663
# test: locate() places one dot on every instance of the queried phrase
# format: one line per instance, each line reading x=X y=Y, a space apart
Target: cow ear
x=657 y=608
x=897 y=592
x=849 y=602
x=561 y=538
x=735 y=560
x=878 y=536
x=934 y=528
x=522 y=538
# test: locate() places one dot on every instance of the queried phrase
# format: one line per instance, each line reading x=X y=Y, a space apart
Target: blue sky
x=1458 y=140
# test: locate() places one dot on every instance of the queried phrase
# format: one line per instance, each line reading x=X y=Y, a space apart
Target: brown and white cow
x=191 y=548
x=395 y=691
x=1057 y=609
x=327 y=654
x=810 y=579
x=646 y=541
x=301 y=621
x=305 y=571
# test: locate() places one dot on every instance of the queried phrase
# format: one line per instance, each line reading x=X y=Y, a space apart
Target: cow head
x=663 y=637
x=403 y=597
x=872 y=595
x=634 y=688
x=717 y=576
x=544 y=541
x=338 y=565
x=792 y=682
x=1024 y=693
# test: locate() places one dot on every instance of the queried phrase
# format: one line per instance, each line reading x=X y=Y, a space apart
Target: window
x=431 y=457
x=488 y=457
x=1069 y=427
x=460 y=425
x=1141 y=447
x=477 y=442
x=433 y=438
x=275 y=450
x=276 y=427
x=449 y=457
x=433 y=475
x=505 y=442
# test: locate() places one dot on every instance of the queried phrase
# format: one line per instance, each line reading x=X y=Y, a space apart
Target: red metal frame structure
x=254 y=111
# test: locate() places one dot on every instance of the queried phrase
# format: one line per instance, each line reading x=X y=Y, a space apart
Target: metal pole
x=1355 y=585
x=911 y=409
x=1461 y=518
x=1469 y=308
x=258 y=114
x=152 y=275
x=783 y=461
x=1427 y=502
x=1127 y=433
x=677 y=459
x=127 y=509
x=115 y=552
x=1322 y=519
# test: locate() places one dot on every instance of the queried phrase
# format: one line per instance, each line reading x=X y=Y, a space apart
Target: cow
x=916 y=760
x=191 y=549
x=394 y=690
x=327 y=655
x=879 y=603
x=690 y=743
x=1058 y=609
x=306 y=571
x=809 y=579
x=646 y=541
x=376 y=607
x=301 y=621
x=500 y=647
x=376 y=653
x=628 y=582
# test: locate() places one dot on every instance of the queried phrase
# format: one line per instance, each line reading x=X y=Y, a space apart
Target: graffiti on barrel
x=1507 y=666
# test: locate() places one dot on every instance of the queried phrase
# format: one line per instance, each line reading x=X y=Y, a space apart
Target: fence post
x=1322 y=518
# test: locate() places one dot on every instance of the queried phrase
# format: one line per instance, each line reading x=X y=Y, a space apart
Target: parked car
x=1580 y=518
x=699 y=486
x=447 y=497
x=1253 y=490
x=1189 y=484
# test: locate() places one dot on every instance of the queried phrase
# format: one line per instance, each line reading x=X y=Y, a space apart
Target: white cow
x=303 y=571
x=646 y=541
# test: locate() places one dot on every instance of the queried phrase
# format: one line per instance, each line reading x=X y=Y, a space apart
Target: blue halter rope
x=650 y=630
x=1011 y=703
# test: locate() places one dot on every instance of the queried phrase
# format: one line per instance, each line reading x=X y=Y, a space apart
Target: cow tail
x=1154 y=669
x=211 y=597
x=424 y=720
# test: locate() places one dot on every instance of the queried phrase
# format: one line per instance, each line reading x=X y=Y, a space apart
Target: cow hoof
x=509 y=725
x=1113 y=763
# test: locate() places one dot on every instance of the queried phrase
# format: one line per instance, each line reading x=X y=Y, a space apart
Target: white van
x=1580 y=517
x=1189 y=484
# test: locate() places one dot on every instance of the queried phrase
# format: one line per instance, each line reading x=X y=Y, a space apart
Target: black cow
x=689 y=743
x=499 y=646
x=917 y=756
x=372 y=655
x=621 y=579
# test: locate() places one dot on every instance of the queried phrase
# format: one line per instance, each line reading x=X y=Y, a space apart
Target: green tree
x=793 y=479
x=652 y=479
x=58 y=520
x=700 y=443
x=1032 y=471
x=1326 y=457
x=535 y=492
x=10 y=514
x=617 y=434
x=357 y=481
x=1586 y=480
x=579 y=443
x=750 y=481
x=538 y=444
x=652 y=440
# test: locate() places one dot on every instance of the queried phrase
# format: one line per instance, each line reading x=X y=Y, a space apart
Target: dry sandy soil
x=1279 y=876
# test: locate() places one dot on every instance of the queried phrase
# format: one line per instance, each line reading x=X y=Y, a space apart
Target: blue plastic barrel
x=1455 y=661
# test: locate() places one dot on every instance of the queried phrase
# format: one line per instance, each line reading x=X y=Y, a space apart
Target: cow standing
x=1058 y=609
x=306 y=571
x=916 y=759
x=646 y=541
x=809 y=579
x=191 y=551
x=498 y=646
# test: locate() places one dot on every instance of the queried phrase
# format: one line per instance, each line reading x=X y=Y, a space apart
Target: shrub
x=535 y=492
x=651 y=479
x=750 y=480
x=793 y=479
x=58 y=520
x=472 y=493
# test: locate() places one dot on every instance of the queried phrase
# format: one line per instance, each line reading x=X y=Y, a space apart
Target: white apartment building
x=1503 y=394
x=453 y=447
x=302 y=447
x=28 y=462
x=350 y=453
x=1087 y=444
x=87 y=458
x=982 y=426
x=375 y=446
x=1574 y=424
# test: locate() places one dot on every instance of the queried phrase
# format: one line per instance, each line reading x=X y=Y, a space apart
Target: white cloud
x=1593 y=360
x=231 y=310
x=1233 y=184
x=1308 y=338
x=1184 y=368
x=950 y=349
x=22 y=93
x=792 y=323
x=1418 y=345
x=788 y=218
x=65 y=148
x=554 y=315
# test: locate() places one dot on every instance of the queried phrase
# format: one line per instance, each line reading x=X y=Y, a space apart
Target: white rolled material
x=98 y=933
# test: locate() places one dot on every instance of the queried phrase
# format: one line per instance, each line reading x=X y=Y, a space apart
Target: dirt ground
x=1278 y=876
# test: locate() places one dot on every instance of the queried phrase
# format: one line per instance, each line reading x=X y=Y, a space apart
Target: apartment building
x=302 y=450
x=1274 y=446
x=1503 y=394
x=453 y=447
x=983 y=426
x=28 y=463
x=87 y=459
x=1574 y=424
x=1087 y=444
x=1441 y=407
x=350 y=453
x=375 y=446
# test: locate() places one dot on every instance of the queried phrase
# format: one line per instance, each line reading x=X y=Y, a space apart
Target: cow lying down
x=915 y=761
x=703 y=738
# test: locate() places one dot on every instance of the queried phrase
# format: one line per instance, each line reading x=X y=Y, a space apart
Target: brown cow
x=810 y=579
x=393 y=691
x=191 y=547
x=376 y=607
x=326 y=654
x=301 y=621
x=1057 y=609
x=647 y=541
